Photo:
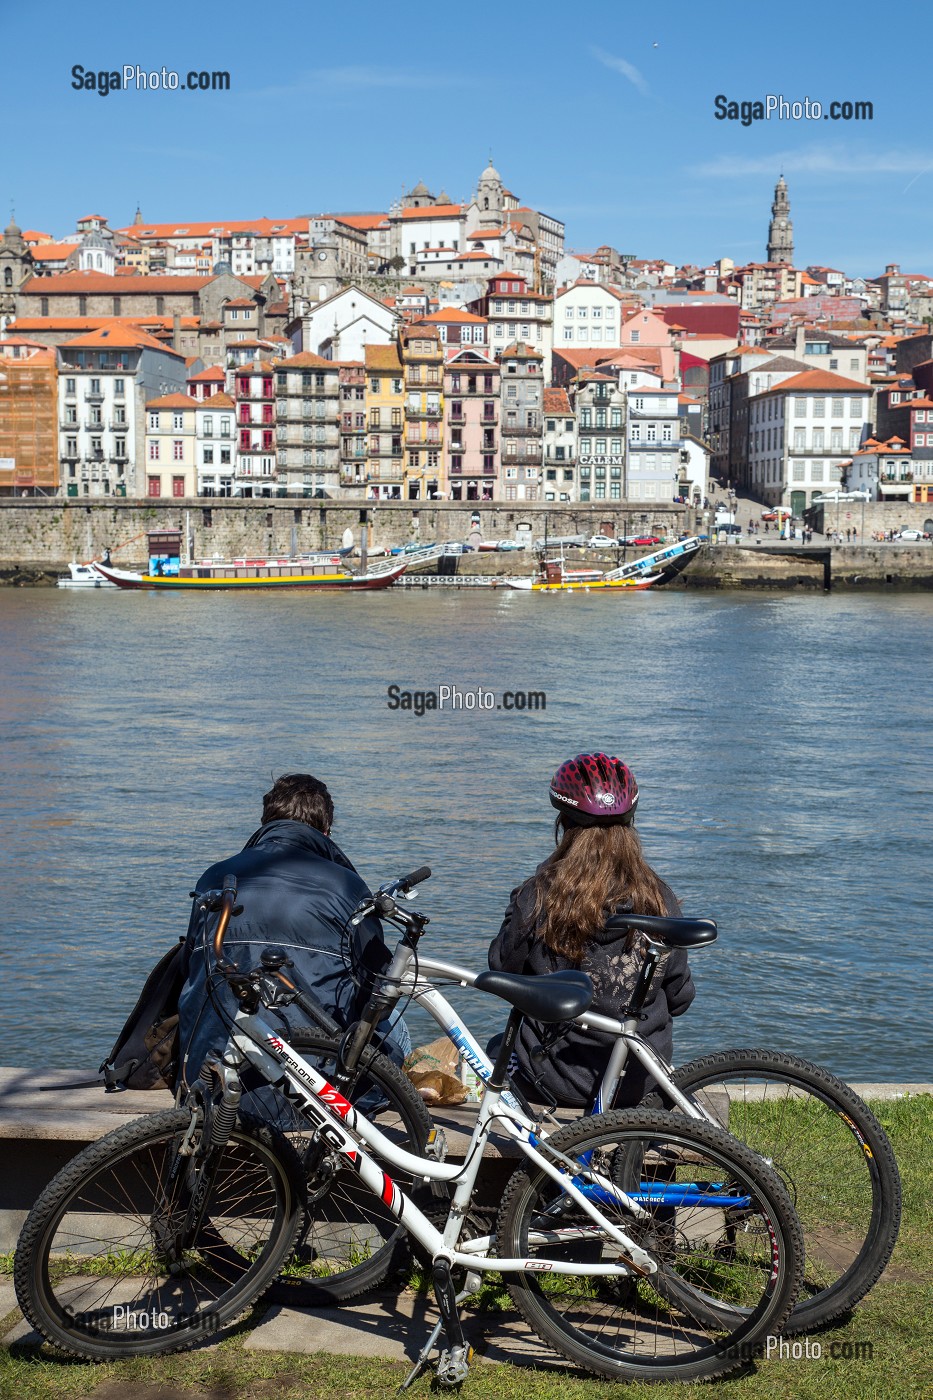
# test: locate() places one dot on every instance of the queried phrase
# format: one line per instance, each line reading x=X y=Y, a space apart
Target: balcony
x=532 y=458
x=349 y=477
x=489 y=419
x=93 y=397
x=432 y=413
x=519 y=430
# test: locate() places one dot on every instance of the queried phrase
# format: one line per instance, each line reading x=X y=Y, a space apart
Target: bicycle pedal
x=453 y=1365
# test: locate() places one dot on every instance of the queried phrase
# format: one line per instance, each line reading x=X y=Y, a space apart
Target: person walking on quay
x=557 y=918
x=297 y=890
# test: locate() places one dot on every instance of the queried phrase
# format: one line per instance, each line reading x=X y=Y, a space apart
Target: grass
x=893 y=1320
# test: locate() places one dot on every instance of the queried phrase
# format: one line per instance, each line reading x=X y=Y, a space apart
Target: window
x=798 y=470
x=153 y=486
x=208 y=456
x=636 y=337
x=178 y=485
x=153 y=451
x=839 y=406
x=855 y=408
x=816 y=471
x=819 y=408
x=178 y=450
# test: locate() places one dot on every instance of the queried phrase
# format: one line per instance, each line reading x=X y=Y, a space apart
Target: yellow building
x=422 y=355
x=170 y=466
x=385 y=422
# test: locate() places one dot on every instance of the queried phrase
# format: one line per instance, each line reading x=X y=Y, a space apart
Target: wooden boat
x=269 y=575
x=649 y=571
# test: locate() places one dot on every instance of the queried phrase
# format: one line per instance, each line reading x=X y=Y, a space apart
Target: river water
x=783 y=745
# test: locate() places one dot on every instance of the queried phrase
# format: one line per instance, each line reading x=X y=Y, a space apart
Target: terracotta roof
x=487 y=233
x=213 y=372
x=220 y=227
x=220 y=400
x=118 y=335
x=91 y=283
x=557 y=401
x=254 y=367
x=34 y=235
x=412 y=292
x=476 y=256
x=172 y=401
x=53 y=252
x=305 y=360
x=434 y=211
x=382 y=357
x=518 y=351
x=815 y=381
x=240 y=301
x=455 y=314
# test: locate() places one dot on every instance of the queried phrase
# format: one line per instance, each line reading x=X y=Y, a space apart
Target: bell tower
x=781 y=230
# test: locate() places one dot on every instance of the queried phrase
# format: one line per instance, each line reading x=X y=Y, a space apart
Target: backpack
x=145 y=1053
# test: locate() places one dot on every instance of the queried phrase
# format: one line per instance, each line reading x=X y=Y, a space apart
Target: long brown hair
x=593 y=870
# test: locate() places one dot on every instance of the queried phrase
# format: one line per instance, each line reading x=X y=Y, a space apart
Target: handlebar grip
x=416 y=877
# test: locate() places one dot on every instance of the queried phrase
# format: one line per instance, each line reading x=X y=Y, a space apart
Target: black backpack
x=145 y=1054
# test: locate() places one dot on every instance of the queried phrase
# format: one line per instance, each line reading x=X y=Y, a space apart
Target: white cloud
x=818 y=160
x=620 y=65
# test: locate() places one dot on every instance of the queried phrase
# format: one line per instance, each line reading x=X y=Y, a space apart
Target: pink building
x=471 y=398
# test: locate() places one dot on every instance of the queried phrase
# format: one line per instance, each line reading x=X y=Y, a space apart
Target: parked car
x=909 y=536
x=413 y=547
x=455 y=547
x=603 y=542
x=729 y=529
x=775 y=513
x=647 y=539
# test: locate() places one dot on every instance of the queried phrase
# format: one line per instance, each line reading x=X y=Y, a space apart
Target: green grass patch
x=893 y=1321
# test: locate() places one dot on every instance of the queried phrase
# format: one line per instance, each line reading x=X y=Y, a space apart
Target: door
x=798 y=502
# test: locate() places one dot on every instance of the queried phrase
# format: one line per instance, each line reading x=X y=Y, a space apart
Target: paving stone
x=395 y=1328
x=7 y=1299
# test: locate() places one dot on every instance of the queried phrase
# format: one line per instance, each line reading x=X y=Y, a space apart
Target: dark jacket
x=573 y=1061
x=298 y=890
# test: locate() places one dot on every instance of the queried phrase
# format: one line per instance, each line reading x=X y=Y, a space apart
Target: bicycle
x=638 y=1245
x=823 y=1140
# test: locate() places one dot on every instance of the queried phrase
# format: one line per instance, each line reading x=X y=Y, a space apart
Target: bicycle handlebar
x=383 y=901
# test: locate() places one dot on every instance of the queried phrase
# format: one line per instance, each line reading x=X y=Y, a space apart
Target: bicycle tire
x=693 y=1336
x=345 y=1218
x=73 y=1267
x=812 y=1106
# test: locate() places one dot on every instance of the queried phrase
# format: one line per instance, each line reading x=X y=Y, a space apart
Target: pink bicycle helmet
x=594 y=790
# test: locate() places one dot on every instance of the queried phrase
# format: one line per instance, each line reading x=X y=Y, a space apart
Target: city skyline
x=626 y=149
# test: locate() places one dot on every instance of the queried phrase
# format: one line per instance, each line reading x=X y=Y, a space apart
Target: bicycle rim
x=832 y=1155
x=103 y=1267
x=716 y=1220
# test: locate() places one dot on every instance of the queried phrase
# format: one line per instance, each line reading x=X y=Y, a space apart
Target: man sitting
x=298 y=891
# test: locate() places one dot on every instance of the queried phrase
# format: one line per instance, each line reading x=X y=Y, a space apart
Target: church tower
x=15 y=266
x=781 y=230
x=489 y=197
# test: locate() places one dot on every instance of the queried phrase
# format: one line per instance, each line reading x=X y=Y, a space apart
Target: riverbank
x=853 y=568
x=39 y=538
x=365 y=1350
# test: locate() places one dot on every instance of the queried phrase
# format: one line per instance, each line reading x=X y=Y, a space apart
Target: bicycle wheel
x=832 y=1155
x=100 y=1270
x=717 y=1221
x=350 y=1242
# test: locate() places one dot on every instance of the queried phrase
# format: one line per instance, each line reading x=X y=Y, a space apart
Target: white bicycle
x=639 y=1245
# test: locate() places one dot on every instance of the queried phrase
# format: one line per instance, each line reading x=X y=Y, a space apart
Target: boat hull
x=211 y=583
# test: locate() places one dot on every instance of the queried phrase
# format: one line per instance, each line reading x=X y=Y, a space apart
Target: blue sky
x=601 y=115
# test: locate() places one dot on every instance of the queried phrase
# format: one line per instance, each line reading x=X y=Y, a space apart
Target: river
x=782 y=743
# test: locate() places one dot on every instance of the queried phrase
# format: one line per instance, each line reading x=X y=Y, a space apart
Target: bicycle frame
x=625 y=1033
x=343 y=1128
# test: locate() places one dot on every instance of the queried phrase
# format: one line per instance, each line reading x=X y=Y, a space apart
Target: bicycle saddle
x=555 y=996
x=676 y=933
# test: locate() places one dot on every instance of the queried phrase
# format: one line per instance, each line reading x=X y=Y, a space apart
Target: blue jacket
x=298 y=890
